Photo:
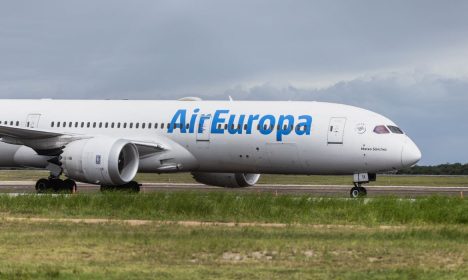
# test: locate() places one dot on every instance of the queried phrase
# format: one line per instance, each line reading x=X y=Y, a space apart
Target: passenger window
x=11 y=122
x=112 y=125
x=106 y=125
x=64 y=124
x=100 y=125
x=94 y=125
x=76 y=124
x=155 y=125
x=162 y=126
x=395 y=129
x=118 y=125
x=225 y=126
x=52 y=124
x=187 y=126
x=88 y=124
x=58 y=124
x=168 y=126
x=149 y=125
x=125 y=125
x=131 y=125
x=137 y=125
x=245 y=126
x=381 y=129
x=70 y=124
x=82 y=124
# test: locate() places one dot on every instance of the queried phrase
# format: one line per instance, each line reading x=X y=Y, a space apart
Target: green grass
x=245 y=207
x=56 y=250
x=382 y=238
x=382 y=180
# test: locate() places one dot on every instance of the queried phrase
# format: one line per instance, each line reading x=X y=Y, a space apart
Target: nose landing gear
x=359 y=179
x=358 y=191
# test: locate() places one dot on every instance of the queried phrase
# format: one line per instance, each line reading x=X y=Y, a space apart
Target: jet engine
x=227 y=180
x=101 y=160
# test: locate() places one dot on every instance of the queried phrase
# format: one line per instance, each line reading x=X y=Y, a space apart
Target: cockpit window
x=381 y=129
x=395 y=129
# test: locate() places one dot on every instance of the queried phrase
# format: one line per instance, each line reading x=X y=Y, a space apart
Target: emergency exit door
x=32 y=120
x=336 y=130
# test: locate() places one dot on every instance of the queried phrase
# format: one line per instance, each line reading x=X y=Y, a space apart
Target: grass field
x=383 y=238
x=382 y=180
x=118 y=251
x=245 y=207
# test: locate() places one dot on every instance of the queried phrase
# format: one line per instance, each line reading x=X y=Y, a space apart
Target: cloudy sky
x=405 y=59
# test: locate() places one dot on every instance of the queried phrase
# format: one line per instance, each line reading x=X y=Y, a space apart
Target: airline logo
x=222 y=121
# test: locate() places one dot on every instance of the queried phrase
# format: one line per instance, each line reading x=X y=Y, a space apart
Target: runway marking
x=192 y=223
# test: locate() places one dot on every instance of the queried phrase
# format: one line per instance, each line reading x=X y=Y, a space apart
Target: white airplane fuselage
x=220 y=136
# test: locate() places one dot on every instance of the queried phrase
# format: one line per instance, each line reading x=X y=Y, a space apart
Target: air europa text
x=222 y=121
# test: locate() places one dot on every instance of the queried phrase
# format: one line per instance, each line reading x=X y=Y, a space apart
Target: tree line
x=442 y=169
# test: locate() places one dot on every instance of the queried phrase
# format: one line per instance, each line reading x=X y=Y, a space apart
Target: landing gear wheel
x=55 y=185
x=134 y=186
x=358 y=191
x=42 y=185
x=129 y=187
x=69 y=185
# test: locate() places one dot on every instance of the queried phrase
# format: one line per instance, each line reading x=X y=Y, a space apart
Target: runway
x=313 y=190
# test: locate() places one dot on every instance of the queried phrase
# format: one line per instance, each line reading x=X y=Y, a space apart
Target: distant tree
x=441 y=169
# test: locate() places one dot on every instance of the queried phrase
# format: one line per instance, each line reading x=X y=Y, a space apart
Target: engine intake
x=101 y=160
x=226 y=180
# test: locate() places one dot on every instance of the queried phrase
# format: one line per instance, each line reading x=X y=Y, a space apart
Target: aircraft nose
x=410 y=154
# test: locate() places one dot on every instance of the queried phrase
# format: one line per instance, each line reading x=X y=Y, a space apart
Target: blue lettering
x=218 y=121
x=249 y=123
x=266 y=129
x=284 y=129
x=236 y=124
x=305 y=126
x=236 y=128
x=202 y=122
x=179 y=118
x=192 y=120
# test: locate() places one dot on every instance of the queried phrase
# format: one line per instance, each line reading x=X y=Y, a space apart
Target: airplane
x=221 y=143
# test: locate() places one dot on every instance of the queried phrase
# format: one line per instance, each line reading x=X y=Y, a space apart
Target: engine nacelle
x=101 y=160
x=227 y=180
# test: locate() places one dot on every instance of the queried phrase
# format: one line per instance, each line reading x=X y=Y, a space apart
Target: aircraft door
x=336 y=130
x=32 y=121
x=203 y=130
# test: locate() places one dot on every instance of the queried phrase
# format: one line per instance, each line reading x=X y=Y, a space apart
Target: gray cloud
x=431 y=109
x=361 y=49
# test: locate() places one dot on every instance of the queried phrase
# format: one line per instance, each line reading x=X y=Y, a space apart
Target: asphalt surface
x=313 y=190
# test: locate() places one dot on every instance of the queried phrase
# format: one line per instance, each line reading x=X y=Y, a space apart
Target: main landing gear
x=359 y=179
x=55 y=185
x=129 y=187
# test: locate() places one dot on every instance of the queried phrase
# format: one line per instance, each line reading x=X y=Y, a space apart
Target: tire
x=42 y=185
x=357 y=192
x=69 y=185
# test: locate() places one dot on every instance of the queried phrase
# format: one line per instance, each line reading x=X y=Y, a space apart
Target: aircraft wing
x=31 y=137
x=26 y=133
